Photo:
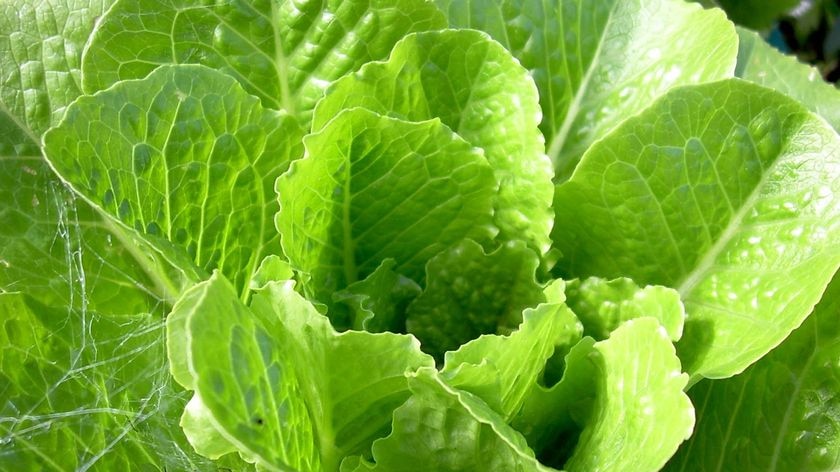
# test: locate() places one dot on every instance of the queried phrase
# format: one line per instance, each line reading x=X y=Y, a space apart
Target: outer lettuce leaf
x=783 y=413
x=80 y=388
x=596 y=62
x=480 y=92
x=183 y=156
x=763 y=64
x=469 y=293
x=285 y=390
x=602 y=305
x=502 y=370
x=444 y=429
x=285 y=52
x=40 y=59
x=725 y=191
x=373 y=188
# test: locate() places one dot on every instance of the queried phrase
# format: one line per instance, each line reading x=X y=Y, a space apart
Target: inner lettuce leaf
x=372 y=187
x=448 y=430
x=285 y=390
x=502 y=370
x=183 y=156
x=474 y=86
x=727 y=192
x=470 y=292
x=283 y=51
x=619 y=406
x=602 y=305
x=597 y=62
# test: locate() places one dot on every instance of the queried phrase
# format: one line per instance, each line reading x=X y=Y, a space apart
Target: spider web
x=84 y=383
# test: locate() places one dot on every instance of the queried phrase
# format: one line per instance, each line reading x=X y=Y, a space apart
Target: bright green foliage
x=279 y=360
x=602 y=305
x=481 y=93
x=783 y=413
x=444 y=429
x=727 y=192
x=501 y=370
x=160 y=170
x=469 y=293
x=763 y=64
x=596 y=62
x=420 y=202
x=624 y=393
x=372 y=188
x=640 y=414
x=285 y=52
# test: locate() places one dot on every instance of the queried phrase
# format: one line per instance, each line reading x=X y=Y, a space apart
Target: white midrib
x=281 y=63
x=693 y=278
x=560 y=136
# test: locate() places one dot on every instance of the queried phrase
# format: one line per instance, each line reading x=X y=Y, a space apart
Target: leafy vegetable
x=413 y=235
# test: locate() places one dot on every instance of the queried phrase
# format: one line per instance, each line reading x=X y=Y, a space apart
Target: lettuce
x=355 y=235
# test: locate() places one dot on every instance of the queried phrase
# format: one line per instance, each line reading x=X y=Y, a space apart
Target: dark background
x=809 y=29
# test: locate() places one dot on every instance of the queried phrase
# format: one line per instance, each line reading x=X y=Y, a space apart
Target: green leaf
x=783 y=413
x=285 y=52
x=501 y=370
x=40 y=59
x=481 y=93
x=373 y=188
x=725 y=191
x=444 y=429
x=86 y=392
x=761 y=63
x=469 y=293
x=598 y=62
x=602 y=305
x=378 y=303
x=183 y=156
x=640 y=414
x=285 y=389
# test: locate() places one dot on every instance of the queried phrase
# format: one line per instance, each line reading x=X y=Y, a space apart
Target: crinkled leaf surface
x=285 y=389
x=602 y=305
x=763 y=64
x=783 y=413
x=374 y=187
x=596 y=62
x=444 y=429
x=470 y=292
x=502 y=370
x=480 y=92
x=725 y=191
x=285 y=52
x=183 y=155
